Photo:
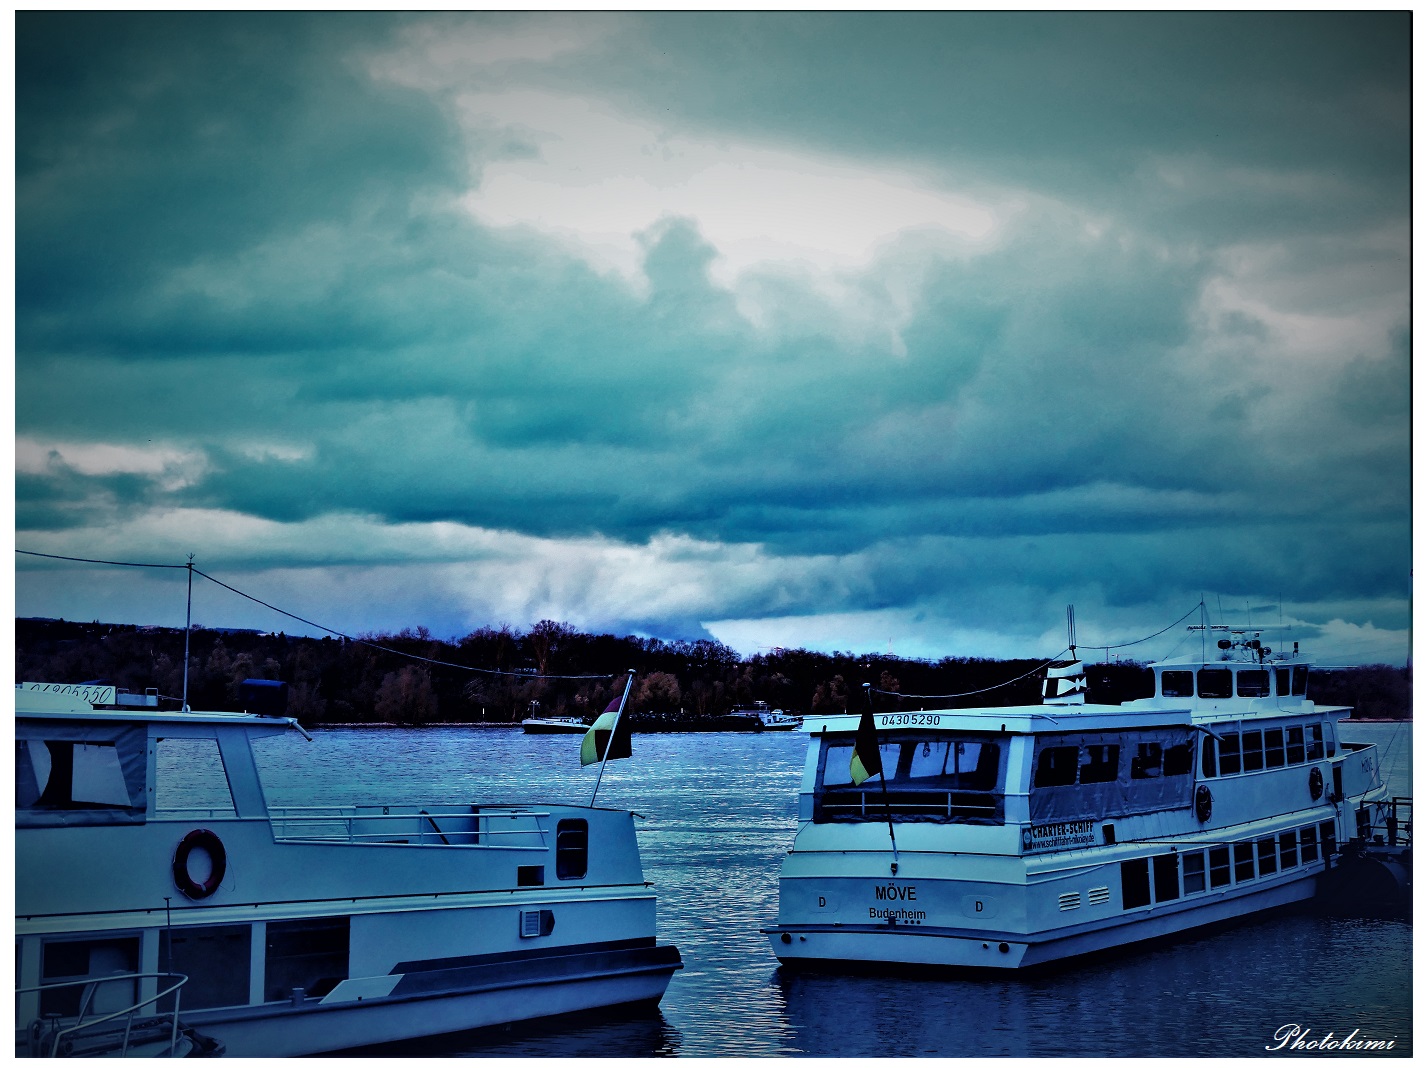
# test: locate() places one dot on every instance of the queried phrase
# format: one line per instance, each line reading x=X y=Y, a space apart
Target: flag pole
x=885 y=798
x=609 y=744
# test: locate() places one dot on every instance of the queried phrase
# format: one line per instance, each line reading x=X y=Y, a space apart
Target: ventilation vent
x=536 y=922
x=1068 y=902
x=1098 y=895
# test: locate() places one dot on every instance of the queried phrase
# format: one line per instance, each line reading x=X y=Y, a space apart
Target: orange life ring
x=213 y=846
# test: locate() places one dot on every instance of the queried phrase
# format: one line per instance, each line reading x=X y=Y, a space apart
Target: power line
x=292 y=615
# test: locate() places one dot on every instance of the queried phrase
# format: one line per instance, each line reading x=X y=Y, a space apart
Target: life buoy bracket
x=211 y=844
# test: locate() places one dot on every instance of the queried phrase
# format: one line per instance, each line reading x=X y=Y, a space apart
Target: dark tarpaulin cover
x=1125 y=796
x=129 y=740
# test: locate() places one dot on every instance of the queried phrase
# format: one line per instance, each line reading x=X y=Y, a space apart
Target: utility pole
x=187 y=631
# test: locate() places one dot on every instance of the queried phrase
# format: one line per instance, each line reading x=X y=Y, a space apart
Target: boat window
x=1230 y=752
x=65 y=960
x=1057 y=766
x=80 y=773
x=932 y=778
x=217 y=961
x=1328 y=838
x=1276 y=748
x=1267 y=855
x=1219 y=866
x=1243 y=865
x=1295 y=745
x=1177 y=759
x=1148 y=764
x=1314 y=748
x=1253 y=682
x=1298 y=680
x=1194 y=873
x=1329 y=730
x=571 y=849
x=1214 y=682
x=1209 y=757
x=1165 y=877
x=1099 y=764
x=312 y=954
x=190 y=776
x=1134 y=874
x=1288 y=849
x=1283 y=681
x=1177 y=684
x=1251 y=750
x=1308 y=844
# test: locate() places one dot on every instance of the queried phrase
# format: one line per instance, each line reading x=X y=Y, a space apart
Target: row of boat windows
x=1170 y=876
x=1249 y=682
x=1235 y=752
x=1065 y=765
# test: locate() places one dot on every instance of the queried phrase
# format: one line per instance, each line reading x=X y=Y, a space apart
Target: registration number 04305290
x=908 y=719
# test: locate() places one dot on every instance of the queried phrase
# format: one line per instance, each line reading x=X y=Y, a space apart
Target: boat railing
x=466 y=827
x=1391 y=821
x=56 y=1035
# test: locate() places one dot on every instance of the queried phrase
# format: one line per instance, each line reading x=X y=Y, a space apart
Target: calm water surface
x=718 y=814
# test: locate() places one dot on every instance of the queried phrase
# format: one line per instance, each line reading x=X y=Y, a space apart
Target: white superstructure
x=302 y=930
x=1031 y=833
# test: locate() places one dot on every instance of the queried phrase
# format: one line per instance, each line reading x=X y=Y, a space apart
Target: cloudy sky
x=863 y=332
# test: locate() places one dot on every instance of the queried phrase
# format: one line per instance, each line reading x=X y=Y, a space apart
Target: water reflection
x=592 y=1034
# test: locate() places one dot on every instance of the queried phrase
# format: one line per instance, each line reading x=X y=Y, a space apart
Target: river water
x=719 y=812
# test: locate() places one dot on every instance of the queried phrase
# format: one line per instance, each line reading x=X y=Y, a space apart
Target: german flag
x=866 y=753
x=609 y=732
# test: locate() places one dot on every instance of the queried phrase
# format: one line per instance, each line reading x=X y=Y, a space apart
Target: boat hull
x=452 y=1000
x=554 y=728
x=822 y=944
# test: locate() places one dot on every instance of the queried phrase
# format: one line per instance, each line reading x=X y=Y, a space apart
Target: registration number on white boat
x=908 y=719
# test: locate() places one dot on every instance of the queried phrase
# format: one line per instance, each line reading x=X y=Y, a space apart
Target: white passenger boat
x=296 y=930
x=1029 y=834
x=554 y=725
x=759 y=718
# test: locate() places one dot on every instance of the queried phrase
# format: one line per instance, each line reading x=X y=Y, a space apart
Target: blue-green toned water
x=718 y=813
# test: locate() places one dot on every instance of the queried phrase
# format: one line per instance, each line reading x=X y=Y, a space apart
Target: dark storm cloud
x=1177 y=363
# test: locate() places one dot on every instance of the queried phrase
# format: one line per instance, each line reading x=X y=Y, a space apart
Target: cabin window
x=1283 y=681
x=80 y=773
x=1219 y=866
x=1230 y=753
x=1099 y=764
x=191 y=777
x=1276 y=748
x=1090 y=779
x=63 y=961
x=1134 y=874
x=1244 y=867
x=1328 y=838
x=1288 y=849
x=1308 y=845
x=1315 y=750
x=1148 y=764
x=1194 y=873
x=1057 y=766
x=1177 y=759
x=1267 y=856
x=1253 y=683
x=1329 y=730
x=313 y=955
x=1165 y=877
x=1251 y=750
x=215 y=959
x=1209 y=757
x=1214 y=682
x=1295 y=745
x=1298 y=681
x=571 y=849
x=1177 y=684
x=929 y=778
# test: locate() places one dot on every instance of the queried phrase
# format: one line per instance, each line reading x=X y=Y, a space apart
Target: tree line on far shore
x=503 y=675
